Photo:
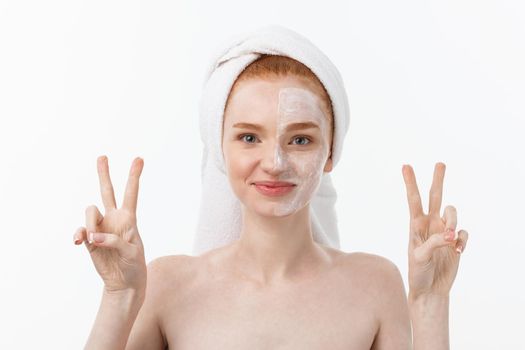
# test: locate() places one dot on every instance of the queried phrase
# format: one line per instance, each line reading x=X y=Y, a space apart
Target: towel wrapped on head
x=220 y=216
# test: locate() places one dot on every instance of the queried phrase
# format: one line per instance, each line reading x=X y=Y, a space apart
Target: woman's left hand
x=434 y=248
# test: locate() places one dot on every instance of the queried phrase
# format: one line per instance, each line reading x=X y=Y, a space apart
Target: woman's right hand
x=113 y=240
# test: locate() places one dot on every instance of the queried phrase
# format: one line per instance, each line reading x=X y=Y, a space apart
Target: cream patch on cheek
x=302 y=167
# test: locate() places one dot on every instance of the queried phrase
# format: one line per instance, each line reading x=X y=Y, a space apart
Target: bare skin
x=206 y=304
x=274 y=287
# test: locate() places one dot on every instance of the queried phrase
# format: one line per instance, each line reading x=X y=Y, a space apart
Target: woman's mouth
x=272 y=189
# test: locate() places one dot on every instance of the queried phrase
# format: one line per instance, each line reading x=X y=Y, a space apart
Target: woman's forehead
x=260 y=100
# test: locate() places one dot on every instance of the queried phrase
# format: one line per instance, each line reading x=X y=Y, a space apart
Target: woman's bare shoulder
x=165 y=270
x=374 y=269
x=368 y=259
x=168 y=261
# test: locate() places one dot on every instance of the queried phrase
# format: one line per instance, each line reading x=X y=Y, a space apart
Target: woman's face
x=275 y=130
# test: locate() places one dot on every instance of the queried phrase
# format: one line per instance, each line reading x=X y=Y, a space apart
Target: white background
x=427 y=82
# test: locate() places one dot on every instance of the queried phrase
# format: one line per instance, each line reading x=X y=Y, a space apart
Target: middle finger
x=132 y=187
x=436 y=190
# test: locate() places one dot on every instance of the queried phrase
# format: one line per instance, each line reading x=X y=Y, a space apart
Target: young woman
x=275 y=286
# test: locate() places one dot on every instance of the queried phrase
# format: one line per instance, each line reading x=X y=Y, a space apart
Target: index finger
x=106 y=188
x=414 y=199
x=132 y=187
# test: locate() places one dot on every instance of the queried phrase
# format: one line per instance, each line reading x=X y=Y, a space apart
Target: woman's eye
x=247 y=137
x=303 y=138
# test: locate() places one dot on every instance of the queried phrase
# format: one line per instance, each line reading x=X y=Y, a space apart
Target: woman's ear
x=329 y=164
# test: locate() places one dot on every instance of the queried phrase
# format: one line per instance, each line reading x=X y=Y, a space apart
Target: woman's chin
x=272 y=209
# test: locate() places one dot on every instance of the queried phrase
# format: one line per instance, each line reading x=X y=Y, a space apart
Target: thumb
x=424 y=252
x=110 y=240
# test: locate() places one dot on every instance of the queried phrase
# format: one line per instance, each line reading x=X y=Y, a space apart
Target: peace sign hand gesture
x=434 y=248
x=113 y=240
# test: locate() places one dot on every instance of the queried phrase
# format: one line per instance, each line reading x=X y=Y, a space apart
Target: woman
x=279 y=284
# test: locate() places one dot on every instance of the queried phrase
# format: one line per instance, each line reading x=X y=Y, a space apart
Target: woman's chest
x=326 y=315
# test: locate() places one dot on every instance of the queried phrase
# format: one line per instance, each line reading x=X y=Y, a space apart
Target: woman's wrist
x=429 y=316
x=128 y=299
x=429 y=306
x=423 y=298
x=128 y=294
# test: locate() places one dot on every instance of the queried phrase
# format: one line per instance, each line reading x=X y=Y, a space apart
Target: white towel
x=220 y=216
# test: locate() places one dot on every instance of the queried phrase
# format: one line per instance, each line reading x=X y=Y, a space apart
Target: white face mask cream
x=303 y=167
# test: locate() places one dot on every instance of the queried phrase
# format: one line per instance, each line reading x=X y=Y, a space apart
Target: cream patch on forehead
x=298 y=101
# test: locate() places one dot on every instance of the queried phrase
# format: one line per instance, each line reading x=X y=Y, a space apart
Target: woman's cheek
x=240 y=167
x=309 y=165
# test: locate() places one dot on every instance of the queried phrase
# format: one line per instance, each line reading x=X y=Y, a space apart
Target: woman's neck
x=276 y=249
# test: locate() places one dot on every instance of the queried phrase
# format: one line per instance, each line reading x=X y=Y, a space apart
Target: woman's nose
x=273 y=161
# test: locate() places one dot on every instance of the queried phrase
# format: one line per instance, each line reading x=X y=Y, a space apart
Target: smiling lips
x=274 y=188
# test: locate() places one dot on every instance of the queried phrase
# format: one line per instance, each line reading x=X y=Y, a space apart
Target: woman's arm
x=429 y=315
x=115 y=317
x=130 y=320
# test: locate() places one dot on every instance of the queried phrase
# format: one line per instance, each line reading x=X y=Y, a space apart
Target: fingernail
x=90 y=237
x=76 y=240
x=459 y=249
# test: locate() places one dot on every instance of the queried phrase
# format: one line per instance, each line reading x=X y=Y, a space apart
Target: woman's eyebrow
x=290 y=127
x=300 y=126
x=248 y=126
